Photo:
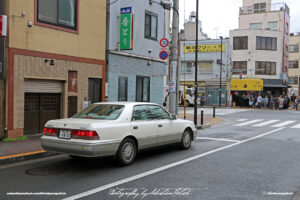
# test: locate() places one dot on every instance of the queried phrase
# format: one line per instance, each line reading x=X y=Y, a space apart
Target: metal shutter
x=43 y=86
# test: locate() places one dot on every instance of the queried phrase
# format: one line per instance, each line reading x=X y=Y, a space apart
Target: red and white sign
x=3 y=25
x=164 y=42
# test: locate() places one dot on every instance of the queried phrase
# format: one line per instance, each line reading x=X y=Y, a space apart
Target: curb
x=203 y=126
x=28 y=156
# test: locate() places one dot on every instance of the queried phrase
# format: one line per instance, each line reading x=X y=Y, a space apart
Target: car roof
x=126 y=103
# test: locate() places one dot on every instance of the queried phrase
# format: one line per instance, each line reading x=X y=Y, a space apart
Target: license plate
x=65 y=134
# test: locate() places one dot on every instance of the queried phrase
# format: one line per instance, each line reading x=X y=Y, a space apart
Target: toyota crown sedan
x=117 y=129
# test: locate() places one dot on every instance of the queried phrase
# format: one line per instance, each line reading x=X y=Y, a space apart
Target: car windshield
x=100 y=111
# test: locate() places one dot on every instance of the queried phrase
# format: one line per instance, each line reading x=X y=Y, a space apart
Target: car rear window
x=103 y=112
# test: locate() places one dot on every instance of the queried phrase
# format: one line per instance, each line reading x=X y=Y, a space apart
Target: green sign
x=126 y=31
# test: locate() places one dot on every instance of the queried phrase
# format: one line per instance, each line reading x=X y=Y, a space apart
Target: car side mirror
x=173 y=117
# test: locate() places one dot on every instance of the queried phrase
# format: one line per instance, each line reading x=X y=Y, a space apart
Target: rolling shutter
x=43 y=86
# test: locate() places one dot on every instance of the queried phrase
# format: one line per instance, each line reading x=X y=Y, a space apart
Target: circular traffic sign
x=164 y=42
x=163 y=55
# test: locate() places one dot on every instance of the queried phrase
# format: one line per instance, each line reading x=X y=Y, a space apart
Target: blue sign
x=163 y=55
x=126 y=10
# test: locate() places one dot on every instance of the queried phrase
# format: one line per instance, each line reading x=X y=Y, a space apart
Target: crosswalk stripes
x=283 y=124
x=296 y=126
x=249 y=122
x=265 y=123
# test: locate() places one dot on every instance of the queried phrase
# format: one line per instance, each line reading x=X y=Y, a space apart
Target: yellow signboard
x=192 y=83
x=208 y=48
x=247 y=85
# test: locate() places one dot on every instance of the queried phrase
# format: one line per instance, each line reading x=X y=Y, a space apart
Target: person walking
x=266 y=101
x=250 y=101
x=293 y=98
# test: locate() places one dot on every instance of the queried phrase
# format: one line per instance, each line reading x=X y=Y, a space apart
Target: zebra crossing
x=274 y=123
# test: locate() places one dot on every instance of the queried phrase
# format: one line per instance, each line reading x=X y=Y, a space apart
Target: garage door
x=43 y=86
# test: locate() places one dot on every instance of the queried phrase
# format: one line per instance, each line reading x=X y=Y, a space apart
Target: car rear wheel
x=186 y=140
x=126 y=152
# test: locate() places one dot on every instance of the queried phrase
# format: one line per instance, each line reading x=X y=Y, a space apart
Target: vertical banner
x=126 y=29
x=3 y=25
x=172 y=81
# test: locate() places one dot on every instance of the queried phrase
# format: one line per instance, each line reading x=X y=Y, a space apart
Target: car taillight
x=50 y=131
x=84 y=134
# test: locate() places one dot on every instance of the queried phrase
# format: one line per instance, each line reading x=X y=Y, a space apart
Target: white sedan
x=117 y=129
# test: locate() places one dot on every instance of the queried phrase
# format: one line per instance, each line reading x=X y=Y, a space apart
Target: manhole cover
x=44 y=171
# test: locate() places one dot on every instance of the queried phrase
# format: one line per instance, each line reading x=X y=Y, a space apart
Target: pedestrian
x=281 y=102
x=293 y=98
x=266 y=101
x=255 y=102
x=297 y=101
x=250 y=101
x=259 y=101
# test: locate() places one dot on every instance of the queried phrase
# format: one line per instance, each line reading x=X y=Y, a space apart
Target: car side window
x=140 y=113
x=158 y=113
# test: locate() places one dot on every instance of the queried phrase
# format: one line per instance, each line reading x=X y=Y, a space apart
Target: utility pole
x=221 y=63
x=174 y=58
x=196 y=66
x=2 y=74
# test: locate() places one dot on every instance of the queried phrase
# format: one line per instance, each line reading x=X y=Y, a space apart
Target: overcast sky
x=220 y=16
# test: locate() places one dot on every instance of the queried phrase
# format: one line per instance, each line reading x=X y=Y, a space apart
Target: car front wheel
x=186 y=140
x=126 y=152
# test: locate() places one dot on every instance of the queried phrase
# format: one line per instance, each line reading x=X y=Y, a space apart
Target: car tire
x=186 y=140
x=126 y=152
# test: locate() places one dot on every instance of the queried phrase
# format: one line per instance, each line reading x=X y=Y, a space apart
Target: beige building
x=55 y=61
x=294 y=60
x=260 y=44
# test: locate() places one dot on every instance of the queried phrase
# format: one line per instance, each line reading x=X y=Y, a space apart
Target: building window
x=187 y=67
x=255 y=26
x=72 y=81
x=293 y=64
x=294 y=80
x=259 y=7
x=266 y=43
x=123 y=88
x=142 y=89
x=151 y=26
x=265 y=68
x=273 y=26
x=239 y=67
x=61 y=13
x=286 y=28
x=240 y=43
x=205 y=67
x=294 y=48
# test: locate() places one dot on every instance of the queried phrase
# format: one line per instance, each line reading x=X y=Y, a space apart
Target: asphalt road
x=252 y=155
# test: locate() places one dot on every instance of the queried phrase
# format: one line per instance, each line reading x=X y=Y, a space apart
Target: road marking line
x=22 y=154
x=283 y=124
x=265 y=123
x=296 y=126
x=217 y=139
x=159 y=169
x=241 y=120
x=249 y=122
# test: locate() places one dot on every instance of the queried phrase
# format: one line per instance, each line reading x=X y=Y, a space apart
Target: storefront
x=242 y=89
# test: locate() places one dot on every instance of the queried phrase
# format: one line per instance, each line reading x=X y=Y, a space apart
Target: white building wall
x=251 y=55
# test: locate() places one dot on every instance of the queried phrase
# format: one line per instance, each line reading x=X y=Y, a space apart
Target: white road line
x=241 y=120
x=296 y=126
x=159 y=169
x=283 y=124
x=217 y=139
x=265 y=123
x=249 y=122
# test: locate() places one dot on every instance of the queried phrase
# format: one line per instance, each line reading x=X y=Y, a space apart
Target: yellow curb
x=22 y=154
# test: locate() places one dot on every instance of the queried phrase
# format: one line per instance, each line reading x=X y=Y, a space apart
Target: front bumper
x=80 y=148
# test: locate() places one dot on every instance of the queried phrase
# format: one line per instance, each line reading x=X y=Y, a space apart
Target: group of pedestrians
x=272 y=102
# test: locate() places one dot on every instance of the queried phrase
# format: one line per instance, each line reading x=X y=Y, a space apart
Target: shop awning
x=273 y=83
x=247 y=85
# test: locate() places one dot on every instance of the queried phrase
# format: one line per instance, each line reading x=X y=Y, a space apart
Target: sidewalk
x=21 y=150
x=31 y=148
x=208 y=121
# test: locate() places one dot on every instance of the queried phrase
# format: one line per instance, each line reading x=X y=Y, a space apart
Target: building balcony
x=268 y=8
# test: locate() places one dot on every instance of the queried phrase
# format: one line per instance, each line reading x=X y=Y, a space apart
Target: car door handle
x=135 y=127
x=160 y=125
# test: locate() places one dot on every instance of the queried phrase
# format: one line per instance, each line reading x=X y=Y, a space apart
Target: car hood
x=75 y=123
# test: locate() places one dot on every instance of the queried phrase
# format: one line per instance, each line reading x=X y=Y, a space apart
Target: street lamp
x=196 y=66
x=221 y=63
